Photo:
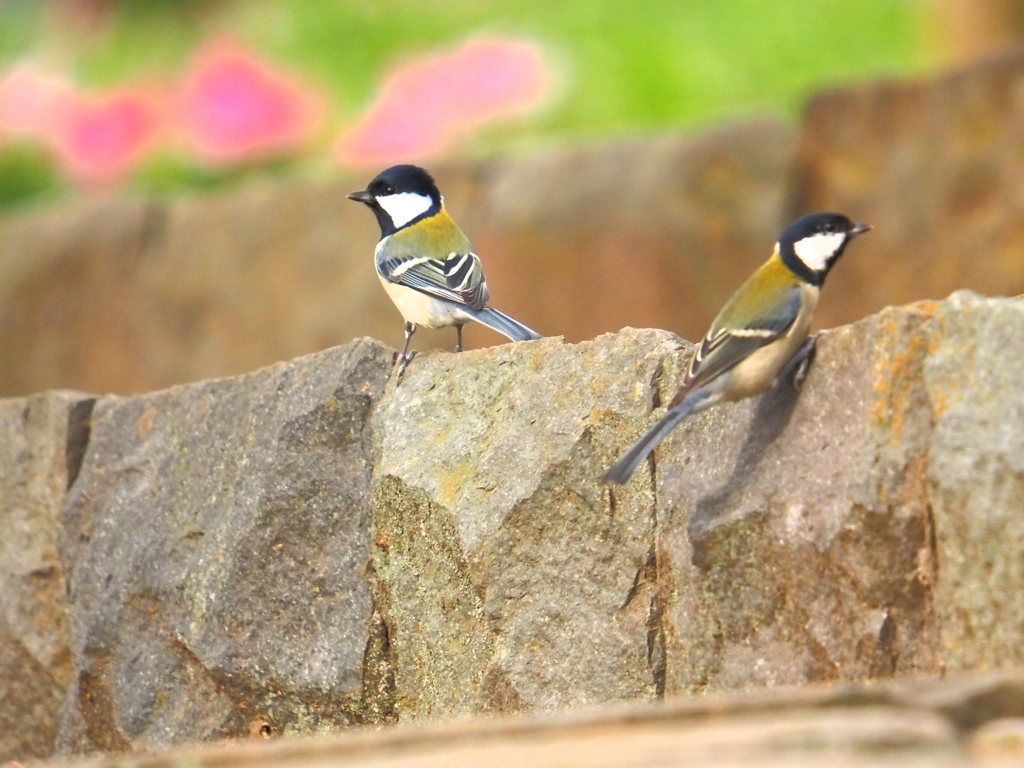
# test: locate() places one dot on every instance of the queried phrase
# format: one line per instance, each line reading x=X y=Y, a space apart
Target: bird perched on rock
x=426 y=263
x=761 y=333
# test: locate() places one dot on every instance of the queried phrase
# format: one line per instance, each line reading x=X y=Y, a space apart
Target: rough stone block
x=796 y=532
x=313 y=546
x=507 y=579
x=975 y=462
x=218 y=542
x=40 y=442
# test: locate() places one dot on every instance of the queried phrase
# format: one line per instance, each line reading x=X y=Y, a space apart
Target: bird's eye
x=389 y=190
x=828 y=228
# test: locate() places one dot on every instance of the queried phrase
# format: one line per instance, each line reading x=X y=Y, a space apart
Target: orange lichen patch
x=384 y=538
x=537 y=357
x=453 y=481
x=897 y=371
x=441 y=436
x=911 y=492
x=923 y=308
x=599 y=385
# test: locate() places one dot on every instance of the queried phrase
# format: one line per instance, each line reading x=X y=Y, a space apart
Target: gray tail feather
x=505 y=325
x=623 y=469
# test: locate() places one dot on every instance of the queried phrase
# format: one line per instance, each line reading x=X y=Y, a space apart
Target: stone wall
x=311 y=547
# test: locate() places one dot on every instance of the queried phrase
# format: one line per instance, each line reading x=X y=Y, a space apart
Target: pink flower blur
x=100 y=139
x=235 y=108
x=30 y=100
x=428 y=104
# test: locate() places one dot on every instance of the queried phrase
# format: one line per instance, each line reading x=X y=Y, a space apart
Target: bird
x=761 y=334
x=425 y=262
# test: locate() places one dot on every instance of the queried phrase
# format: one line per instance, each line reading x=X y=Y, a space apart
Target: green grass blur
x=620 y=67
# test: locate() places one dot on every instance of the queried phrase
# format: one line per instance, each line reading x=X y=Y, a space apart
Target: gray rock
x=311 y=547
x=975 y=463
x=796 y=532
x=218 y=539
x=507 y=579
x=785 y=539
x=871 y=527
x=40 y=438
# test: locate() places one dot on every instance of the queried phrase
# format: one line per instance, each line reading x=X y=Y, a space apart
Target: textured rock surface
x=976 y=480
x=40 y=440
x=797 y=534
x=964 y=721
x=310 y=546
x=510 y=582
x=779 y=540
x=217 y=540
x=871 y=529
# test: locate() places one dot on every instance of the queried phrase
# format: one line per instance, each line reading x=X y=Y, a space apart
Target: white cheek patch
x=816 y=250
x=404 y=207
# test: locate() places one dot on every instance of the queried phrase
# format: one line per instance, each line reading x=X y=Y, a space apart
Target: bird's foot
x=403 y=361
x=796 y=370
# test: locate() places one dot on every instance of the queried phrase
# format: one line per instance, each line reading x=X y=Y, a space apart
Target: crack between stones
x=378 y=698
x=656 y=657
x=652 y=567
x=78 y=435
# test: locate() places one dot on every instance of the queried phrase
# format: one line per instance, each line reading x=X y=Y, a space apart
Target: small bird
x=425 y=262
x=760 y=336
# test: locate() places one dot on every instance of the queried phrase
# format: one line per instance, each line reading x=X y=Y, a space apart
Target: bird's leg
x=406 y=357
x=798 y=366
x=458 y=344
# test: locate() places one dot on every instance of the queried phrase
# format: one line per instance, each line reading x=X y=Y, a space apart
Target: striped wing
x=458 y=278
x=726 y=344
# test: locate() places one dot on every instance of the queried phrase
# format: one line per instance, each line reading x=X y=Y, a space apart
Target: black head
x=400 y=196
x=813 y=243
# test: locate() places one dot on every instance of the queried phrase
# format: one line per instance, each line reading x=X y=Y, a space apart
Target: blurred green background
x=619 y=67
